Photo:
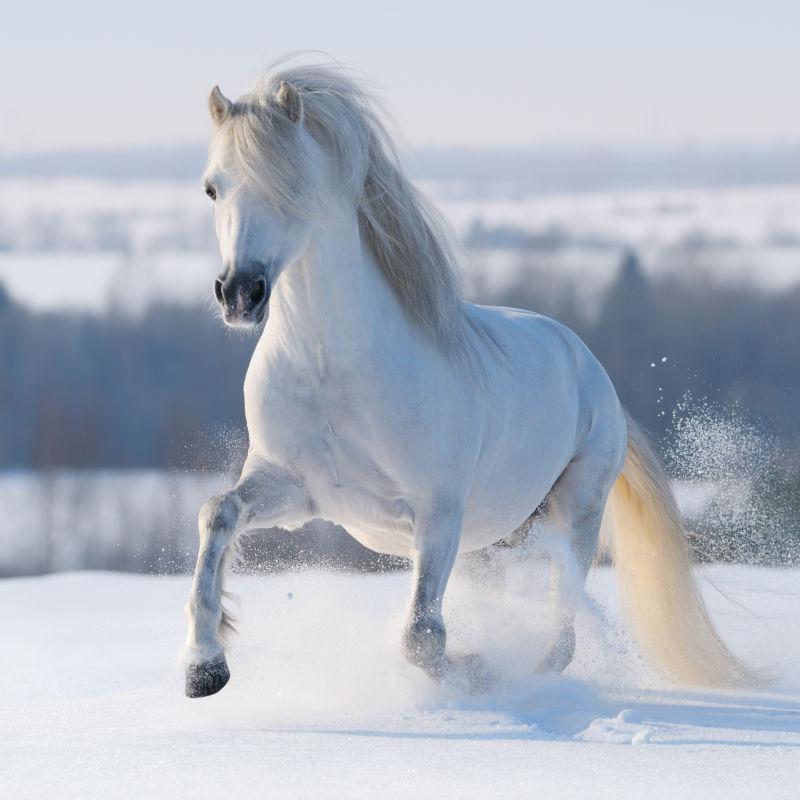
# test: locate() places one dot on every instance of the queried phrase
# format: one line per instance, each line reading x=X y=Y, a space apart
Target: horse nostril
x=258 y=291
x=218 y=290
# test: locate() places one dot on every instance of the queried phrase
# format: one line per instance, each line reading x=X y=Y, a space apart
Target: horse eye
x=211 y=191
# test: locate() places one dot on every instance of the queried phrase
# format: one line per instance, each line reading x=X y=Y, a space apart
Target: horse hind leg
x=571 y=528
x=566 y=582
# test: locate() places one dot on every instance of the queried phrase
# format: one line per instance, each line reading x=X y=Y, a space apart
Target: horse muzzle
x=243 y=299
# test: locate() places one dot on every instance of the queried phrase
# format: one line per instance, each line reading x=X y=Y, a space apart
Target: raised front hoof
x=206 y=678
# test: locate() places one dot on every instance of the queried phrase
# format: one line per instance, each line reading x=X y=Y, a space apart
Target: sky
x=87 y=73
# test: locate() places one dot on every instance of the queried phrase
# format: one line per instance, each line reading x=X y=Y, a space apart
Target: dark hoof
x=207 y=678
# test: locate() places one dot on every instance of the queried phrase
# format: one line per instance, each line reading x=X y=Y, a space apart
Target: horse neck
x=335 y=300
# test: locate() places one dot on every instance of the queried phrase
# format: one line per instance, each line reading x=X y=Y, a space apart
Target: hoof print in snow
x=207 y=678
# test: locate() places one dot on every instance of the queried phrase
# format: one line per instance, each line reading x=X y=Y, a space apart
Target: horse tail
x=657 y=587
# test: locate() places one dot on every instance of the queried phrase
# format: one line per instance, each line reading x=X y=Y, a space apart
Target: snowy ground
x=321 y=704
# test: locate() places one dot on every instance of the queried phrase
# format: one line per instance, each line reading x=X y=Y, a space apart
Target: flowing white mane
x=407 y=235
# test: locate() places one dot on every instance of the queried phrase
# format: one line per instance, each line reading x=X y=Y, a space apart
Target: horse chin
x=252 y=319
x=244 y=324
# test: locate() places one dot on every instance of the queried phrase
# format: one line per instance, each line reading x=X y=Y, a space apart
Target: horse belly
x=498 y=507
x=390 y=542
x=526 y=449
x=349 y=488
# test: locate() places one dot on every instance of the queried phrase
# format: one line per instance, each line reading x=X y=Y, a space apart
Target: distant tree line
x=159 y=390
x=661 y=338
x=164 y=389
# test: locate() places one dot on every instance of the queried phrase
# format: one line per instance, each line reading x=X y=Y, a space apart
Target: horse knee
x=425 y=641
x=219 y=516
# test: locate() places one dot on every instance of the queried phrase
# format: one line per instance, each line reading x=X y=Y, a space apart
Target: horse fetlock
x=204 y=678
x=425 y=643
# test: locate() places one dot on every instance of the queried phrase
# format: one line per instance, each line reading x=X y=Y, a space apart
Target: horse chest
x=329 y=433
x=349 y=485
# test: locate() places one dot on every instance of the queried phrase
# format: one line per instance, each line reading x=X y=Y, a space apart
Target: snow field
x=322 y=704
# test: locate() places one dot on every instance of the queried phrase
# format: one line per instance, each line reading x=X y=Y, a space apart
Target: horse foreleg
x=264 y=496
x=436 y=536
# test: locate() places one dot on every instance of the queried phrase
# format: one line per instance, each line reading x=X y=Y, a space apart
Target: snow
x=138 y=241
x=322 y=704
x=643 y=218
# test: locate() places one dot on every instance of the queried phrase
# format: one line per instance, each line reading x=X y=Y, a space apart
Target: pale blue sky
x=90 y=73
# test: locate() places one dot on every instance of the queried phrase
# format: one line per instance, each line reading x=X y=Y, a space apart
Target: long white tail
x=656 y=581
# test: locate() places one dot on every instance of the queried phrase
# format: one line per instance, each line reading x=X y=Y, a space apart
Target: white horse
x=377 y=398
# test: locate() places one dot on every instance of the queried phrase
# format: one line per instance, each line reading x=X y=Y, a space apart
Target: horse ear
x=291 y=102
x=219 y=106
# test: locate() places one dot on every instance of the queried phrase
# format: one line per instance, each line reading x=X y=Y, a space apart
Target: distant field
x=134 y=241
x=145 y=521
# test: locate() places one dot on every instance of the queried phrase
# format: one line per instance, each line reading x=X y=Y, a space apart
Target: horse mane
x=408 y=237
